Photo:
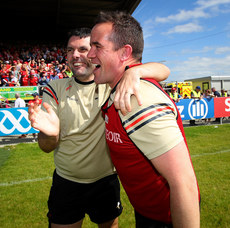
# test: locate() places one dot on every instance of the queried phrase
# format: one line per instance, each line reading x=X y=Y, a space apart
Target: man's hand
x=46 y=122
x=128 y=86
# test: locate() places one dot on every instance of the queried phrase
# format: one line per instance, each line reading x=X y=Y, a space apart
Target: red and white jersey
x=148 y=131
x=39 y=101
x=33 y=81
x=25 y=80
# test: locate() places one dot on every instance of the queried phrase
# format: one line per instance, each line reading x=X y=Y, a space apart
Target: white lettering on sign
x=227 y=103
x=15 y=122
x=198 y=109
x=181 y=108
x=113 y=136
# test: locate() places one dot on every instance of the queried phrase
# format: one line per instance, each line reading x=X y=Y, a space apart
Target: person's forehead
x=102 y=30
x=76 y=41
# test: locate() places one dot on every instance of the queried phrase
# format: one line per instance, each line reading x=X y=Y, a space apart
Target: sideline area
x=200 y=122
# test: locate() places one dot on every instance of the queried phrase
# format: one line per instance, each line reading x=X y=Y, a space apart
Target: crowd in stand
x=34 y=64
x=25 y=64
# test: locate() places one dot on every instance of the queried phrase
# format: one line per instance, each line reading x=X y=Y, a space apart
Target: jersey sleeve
x=153 y=126
x=50 y=96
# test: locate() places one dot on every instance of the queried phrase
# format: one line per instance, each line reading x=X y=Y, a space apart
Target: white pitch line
x=205 y=154
x=24 y=181
x=47 y=178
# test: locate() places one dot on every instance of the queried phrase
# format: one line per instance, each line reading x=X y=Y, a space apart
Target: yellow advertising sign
x=24 y=91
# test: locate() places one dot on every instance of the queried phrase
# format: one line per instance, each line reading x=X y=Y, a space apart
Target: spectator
x=65 y=75
x=224 y=93
x=207 y=95
x=4 y=79
x=68 y=71
x=7 y=66
x=42 y=65
x=43 y=80
x=174 y=95
x=13 y=80
x=16 y=73
x=33 y=80
x=186 y=96
x=34 y=64
x=19 y=65
x=4 y=102
x=35 y=100
x=19 y=103
x=24 y=68
x=195 y=94
x=215 y=92
x=60 y=68
x=24 y=80
x=56 y=65
x=26 y=65
x=60 y=75
x=54 y=76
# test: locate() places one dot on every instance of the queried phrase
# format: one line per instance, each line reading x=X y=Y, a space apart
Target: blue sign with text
x=196 y=109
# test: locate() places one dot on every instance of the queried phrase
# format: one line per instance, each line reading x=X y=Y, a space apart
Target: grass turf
x=25 y=180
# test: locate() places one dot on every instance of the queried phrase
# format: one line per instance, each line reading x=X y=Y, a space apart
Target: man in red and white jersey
x=148 y=145
x=33 y=80
x=36 y=99
x=24 y=80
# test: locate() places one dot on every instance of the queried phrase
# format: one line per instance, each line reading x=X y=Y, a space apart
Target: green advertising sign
x=24 y=91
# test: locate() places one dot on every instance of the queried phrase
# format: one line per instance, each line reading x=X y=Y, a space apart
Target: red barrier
x=222 y=107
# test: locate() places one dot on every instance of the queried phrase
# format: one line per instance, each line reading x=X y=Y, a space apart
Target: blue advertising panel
x=14 y=121
x=191 y=109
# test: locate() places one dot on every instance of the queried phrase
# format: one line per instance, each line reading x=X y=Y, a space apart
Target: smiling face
x=109 y=67
x=80 y=65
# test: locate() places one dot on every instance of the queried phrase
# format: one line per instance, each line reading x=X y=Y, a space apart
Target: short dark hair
x=80 y=32
x=126 y=30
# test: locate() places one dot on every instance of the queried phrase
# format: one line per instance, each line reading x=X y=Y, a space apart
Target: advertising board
x=14 y=121
x=222 y=107
x=191 y=109
x=24 y=91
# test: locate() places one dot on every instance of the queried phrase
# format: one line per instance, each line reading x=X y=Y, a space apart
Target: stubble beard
x=85 y=74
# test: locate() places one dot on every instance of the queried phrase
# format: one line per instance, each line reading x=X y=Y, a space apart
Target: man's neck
x=116 y=80
x=124 y=67
x=85 y=78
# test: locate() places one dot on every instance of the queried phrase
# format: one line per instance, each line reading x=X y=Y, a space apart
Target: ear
x=126 y=52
